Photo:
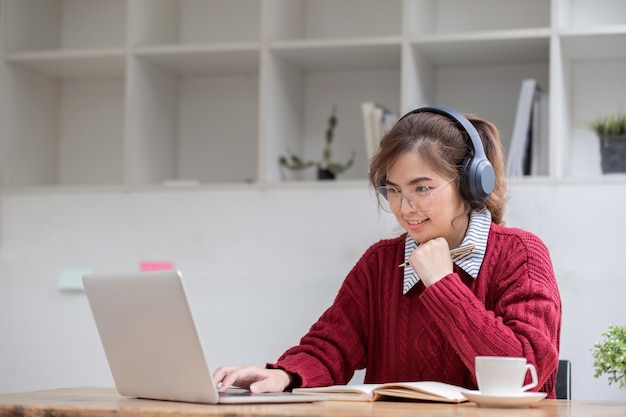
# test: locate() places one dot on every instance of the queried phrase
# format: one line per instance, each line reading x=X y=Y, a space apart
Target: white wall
x=261 y=266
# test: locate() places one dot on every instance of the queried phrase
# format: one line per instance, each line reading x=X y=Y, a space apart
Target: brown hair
x=441 y=143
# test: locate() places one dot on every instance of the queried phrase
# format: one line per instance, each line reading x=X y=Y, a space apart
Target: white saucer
x=521 y=400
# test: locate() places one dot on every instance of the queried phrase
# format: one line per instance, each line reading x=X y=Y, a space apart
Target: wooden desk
x=105 y=402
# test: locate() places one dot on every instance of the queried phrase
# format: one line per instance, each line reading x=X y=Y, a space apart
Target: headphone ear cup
x=479 y=178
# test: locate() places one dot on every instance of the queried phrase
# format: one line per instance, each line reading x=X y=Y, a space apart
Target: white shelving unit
x=137 y=93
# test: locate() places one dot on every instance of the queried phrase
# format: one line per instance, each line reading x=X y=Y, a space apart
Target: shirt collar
x=477 y=233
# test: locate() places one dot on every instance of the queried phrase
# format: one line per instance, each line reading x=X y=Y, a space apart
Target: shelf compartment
x=192 y=125
x=62 y=131
x=189 y=60
x=503 y=47
x=34 y=25
x=345 y=54
x=606 y=44
x=300 y=99
x=332 y=19
x=429 y=17
x=195 y=22
x=486 y=81
x=594 y=88
x=591 y=15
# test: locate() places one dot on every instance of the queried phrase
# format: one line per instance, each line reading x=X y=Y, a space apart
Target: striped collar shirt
x=477 y=233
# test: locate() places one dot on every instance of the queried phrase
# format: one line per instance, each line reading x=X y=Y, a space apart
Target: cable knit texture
x=512 y=308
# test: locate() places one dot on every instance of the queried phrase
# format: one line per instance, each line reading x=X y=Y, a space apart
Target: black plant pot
x=613 y=154
x=324 y=174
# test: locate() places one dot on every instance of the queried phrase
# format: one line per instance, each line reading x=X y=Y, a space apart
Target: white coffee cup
x=503 y=375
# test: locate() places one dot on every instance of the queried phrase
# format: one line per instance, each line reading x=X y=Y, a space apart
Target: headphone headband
x=477 y=174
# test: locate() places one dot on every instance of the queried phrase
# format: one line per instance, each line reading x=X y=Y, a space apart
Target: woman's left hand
x=431 y=260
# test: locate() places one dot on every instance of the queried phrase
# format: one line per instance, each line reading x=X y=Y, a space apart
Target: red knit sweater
x=512 y=308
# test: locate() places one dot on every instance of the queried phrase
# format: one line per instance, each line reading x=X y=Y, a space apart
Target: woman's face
x=409 y=174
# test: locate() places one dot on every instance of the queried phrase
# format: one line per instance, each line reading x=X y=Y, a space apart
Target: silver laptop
x=151 y=342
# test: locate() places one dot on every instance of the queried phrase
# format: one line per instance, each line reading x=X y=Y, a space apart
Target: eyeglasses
x=421 y=199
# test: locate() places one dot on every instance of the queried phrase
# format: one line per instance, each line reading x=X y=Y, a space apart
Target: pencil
x=461 y=250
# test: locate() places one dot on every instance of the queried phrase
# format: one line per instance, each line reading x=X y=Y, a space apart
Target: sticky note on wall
x=71 y=278
x=155 y=266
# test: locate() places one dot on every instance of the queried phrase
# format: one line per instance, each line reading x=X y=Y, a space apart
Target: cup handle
x=533 y=373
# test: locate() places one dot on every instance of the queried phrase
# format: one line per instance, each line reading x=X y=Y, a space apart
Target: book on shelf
x=540 y=149
x=421 y=391
x=377 y=120
x=528 y=150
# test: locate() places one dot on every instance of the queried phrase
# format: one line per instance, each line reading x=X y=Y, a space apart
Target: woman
x=443 y=179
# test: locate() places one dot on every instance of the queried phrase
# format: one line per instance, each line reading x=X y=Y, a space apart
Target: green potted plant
x=611 y=131
x=609 y=356
x=326 y=168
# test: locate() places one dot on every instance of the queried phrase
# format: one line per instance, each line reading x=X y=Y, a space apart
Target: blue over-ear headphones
x=477 y=175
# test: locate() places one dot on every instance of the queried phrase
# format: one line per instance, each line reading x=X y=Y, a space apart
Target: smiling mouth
x=415 y=222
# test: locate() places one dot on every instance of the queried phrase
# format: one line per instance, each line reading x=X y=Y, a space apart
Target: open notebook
x=151 y=342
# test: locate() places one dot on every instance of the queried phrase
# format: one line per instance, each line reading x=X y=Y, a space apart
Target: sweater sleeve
x=513 y=308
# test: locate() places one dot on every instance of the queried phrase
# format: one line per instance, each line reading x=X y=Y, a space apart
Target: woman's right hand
x=431 y=260
x=251 y=377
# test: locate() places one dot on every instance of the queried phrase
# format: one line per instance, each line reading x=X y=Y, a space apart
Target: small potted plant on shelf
x=611 y=131
x=609 y=356
x=326 y=169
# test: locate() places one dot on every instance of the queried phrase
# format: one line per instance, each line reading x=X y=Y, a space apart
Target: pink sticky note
x=155 y=266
